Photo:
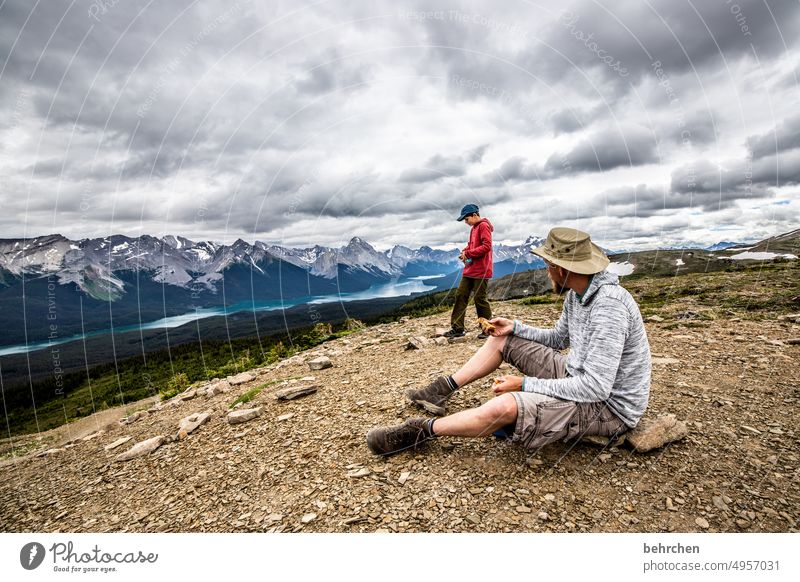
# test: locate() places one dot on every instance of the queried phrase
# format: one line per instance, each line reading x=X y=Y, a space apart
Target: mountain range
x=94 y=283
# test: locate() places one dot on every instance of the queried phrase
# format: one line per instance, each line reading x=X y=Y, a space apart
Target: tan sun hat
x=574 y=250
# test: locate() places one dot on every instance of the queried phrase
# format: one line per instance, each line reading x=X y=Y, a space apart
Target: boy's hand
x=505 y=384
x=502 y=326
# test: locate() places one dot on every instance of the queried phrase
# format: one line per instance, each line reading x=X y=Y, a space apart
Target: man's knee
x=501 y=410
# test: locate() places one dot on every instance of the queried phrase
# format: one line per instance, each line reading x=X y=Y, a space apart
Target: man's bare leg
x=485 y=361
x=477 y=422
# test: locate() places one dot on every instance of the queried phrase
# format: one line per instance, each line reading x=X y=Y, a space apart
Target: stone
x=133 y=417
x=363 y=472
x=750 y=429
x=458 y=340
x=654 y=319
x=192 y=422
x=523 y=509
x=440 y=331
x=141 y=448
x=294 y=392
x=241 y=378
x=94 y=435
x=652 y=433
x=308 y=517
x=239 y=416
x=542 y=515
x=441 y=341
x=284 y=417
x=701 y=522
x=117 y=443
x=793 y=341
x=188 y=395
x=404 y=477
x=417 y=343
x=218 y=388
x=320 y=363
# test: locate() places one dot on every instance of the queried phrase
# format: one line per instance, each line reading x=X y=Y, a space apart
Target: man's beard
x=558 y=288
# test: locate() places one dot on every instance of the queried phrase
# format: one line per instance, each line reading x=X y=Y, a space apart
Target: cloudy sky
x=644 y=122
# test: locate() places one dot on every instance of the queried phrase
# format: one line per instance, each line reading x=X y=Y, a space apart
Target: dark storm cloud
x=440 y=166
x=257 y=116
x=683 y=36
x=605 y=150
x=785 y=136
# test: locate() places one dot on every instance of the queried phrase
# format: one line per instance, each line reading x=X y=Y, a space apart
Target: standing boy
x=477 y=258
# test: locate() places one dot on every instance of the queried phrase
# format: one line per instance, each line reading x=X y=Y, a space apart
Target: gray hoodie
x=609 y=358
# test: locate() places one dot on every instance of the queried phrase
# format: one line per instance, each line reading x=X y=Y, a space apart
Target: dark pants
x=465 y=289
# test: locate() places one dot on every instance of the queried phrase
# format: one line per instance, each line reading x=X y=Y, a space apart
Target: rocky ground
x=303 y=465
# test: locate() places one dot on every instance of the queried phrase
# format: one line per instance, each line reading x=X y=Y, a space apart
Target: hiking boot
x=433 y=396
x=388 y=440
x=455 y=333
x=483 y=335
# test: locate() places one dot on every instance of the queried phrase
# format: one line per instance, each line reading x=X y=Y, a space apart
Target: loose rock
x=654 y=433
x=239 y=416
x=320 y=363
x=295 y=392
x=241 y=378
x=140 y=449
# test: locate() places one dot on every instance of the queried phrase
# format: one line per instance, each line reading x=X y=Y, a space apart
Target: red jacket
x=479 y=250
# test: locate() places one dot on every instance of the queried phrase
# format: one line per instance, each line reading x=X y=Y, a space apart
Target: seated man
x=600 y=388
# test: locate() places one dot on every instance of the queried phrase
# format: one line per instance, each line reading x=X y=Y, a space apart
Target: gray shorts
x=544 y=419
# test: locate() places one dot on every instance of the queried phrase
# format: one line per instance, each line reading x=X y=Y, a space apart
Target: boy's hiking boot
x=433 y=396
x=455 y=333
x=388 y=440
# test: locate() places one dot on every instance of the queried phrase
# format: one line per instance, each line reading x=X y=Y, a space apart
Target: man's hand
x=505 y=384
x=502 y=326
x=462 y=257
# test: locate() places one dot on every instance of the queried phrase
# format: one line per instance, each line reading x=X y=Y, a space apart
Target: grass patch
x=253 y=392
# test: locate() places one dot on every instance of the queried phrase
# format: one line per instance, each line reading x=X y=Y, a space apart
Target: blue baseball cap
x=468 y=209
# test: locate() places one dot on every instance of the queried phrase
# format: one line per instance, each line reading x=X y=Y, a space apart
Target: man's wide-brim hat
x=573 y=250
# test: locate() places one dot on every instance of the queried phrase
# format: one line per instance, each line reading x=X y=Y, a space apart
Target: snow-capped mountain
x=94 y=283
x=722 y=245
x=519 y=253
x=95 y=265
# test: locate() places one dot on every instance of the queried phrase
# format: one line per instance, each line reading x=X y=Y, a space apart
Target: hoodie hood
x=481 y=221
x=598 y=280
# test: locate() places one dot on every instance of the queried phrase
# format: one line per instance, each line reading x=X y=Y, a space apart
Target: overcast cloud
x=645 y=123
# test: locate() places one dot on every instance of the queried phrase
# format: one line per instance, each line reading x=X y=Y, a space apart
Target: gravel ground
x=734 y=381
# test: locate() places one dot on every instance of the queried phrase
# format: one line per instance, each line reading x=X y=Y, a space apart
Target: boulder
x=239 y=416
x=417 y=343
x=652 y=433
x=294 y=392
x=192 y=422
x=320 y=363
x=241 y=378
x=117 y=443
x=142 y=448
